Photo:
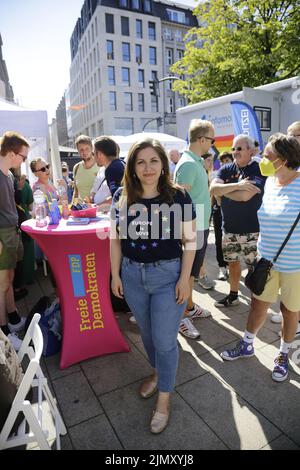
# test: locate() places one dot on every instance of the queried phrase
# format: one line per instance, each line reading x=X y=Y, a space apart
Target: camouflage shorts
x=237 y=247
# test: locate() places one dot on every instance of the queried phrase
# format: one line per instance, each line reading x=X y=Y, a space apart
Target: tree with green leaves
x=239 y=43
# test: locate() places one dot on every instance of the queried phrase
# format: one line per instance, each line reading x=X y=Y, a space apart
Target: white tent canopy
x=168 y=141
x=32 y=124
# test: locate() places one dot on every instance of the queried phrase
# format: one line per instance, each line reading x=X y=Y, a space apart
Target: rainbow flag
x=223 y=143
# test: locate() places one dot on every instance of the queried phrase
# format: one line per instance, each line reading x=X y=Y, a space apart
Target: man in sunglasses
x=190 y=173
x=240 y=185
x=13 y=152
x=85 y=171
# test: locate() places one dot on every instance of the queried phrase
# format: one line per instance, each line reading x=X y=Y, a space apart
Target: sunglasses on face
x=23 y=156
x=209 y=138
x=43 y=169
x=238 y=149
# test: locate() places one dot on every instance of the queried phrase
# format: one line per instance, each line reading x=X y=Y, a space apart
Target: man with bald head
x=240 y=185
x=174 y=156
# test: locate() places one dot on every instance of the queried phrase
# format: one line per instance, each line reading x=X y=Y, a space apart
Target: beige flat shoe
x=159 y=422
x=148 y=388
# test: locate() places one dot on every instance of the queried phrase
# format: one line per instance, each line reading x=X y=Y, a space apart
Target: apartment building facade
x=117 y=47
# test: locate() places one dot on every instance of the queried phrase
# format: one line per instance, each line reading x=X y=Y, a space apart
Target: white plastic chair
x=33 y=377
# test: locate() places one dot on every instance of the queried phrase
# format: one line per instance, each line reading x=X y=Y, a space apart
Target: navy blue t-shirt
x=151 y=229
x=114 y=175
x=241 y=217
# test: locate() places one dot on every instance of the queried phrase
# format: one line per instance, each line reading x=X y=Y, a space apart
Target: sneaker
x=187 y=329
x=15 y=341
x=240 y=351
x=206 y=283
x=281 y=367
x=14 y=328
x=223 y=274
x=276 y=317
x=228 y=301
x=197 y=312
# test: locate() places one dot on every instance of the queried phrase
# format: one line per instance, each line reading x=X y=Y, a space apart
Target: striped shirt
x=279 y=209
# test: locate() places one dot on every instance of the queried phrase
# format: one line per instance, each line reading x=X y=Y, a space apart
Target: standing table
x=79 y=258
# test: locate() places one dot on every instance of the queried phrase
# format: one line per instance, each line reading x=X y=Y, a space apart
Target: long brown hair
x=132 y=188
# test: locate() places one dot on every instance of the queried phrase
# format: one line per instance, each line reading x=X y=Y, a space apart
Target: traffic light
x=152 y=85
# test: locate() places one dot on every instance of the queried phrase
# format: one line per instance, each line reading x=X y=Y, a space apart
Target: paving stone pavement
x=215 y=405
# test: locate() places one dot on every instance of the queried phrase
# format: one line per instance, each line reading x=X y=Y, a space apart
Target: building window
x=170 y=56
x=151 y=31
x=125 y=76
x=171 y=108
x=154 y=104
x=264 y=117
x=147 y=6
x=178 y=35
x=128 y=101
x=136 y=4
x=139 y=28
x=123 y=126
x=124 y=3
x=141 y=78
x=154 y=76
x=168 y=34
x=177 y=16
x=111 y=76
x=112 y=101
x=138 y=53
x=110 y=50
x=181 y=102
x=152 y=55
x=180 y=54
x=109 y=22
x=124 y=26
x=126 y=51
x=141 y=102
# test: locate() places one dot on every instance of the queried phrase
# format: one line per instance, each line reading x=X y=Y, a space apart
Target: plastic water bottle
x=62 y=191
x=54 y=213
x=40 y=208
x=64 y=209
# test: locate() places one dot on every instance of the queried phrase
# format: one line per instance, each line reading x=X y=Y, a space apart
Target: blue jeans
x=149 y=289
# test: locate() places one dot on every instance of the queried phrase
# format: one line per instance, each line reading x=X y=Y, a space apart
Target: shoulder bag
x=259 y=271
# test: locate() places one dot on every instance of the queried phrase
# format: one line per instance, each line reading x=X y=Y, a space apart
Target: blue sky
x=36 y=47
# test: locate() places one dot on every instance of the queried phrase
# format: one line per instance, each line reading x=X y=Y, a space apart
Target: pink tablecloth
x=79 y=258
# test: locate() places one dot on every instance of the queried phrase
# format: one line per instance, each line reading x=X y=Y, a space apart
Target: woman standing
x=277 y=214
x=151 y=222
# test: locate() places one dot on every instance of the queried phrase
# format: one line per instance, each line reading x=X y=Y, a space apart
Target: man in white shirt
x=100 y=191
x=174 y=157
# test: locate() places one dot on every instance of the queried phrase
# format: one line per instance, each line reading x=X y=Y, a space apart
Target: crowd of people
x=162 y=207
